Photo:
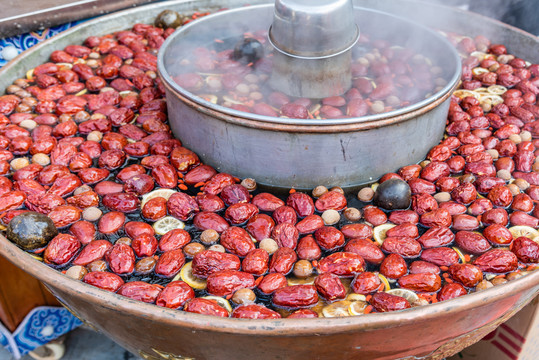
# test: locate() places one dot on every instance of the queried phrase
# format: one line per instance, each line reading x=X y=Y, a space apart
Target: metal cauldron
x=304 y=153
x=434 y=331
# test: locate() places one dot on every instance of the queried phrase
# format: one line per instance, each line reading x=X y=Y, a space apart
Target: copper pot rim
x=290 y=327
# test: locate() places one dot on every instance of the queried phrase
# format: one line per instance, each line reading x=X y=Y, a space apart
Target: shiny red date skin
x=286 y=235
x=451 y=291
x=104 y=280
x=208 y=262
x=122 y=202
x=256 y=262
x=464 y=194
x=95 y=250
x=472 y=242
x=438 y=217
x=362 y=231
x=254 y=311
x=144 y=245
x=295 y=296
x=436 y=236
x=260 y=226
x=526 y=250
x=237 y=241
x=500 y=196
x=272 y=282
x=61 y=249
x=404 y=246
x=141 y=291
x=310 y=224
x=344 y=264
x=301 y=203
x=441 y=256
x=182 y=206
x=498 y=234
x=495 y=216
x=284 y=214
x=423 y=267
x=370 y=252
x=497 y=261
x=84 y=231
x=521 y=218
x=329 y=238
x=218 y=182
x=423 y=203
x=199 y=174
x=282 y=261
x=170 y=263
x=175 y=295
x=403 y=230
x=174 y=239
x=421 y=186
x=207 y=202
x=308 y=249
x=453 y=207
x=330 y=287
x=330 y=200
x=424 y=282
x=366 y=283
x=240 y=213
x=205 y=307
x=121 y=259
x=399 y=217
x=64 y=215
x=234 y=194
x=393 y=266
x=384 y=302
x=465 y=222
x=267 y=202
x=467 y=274
x=111 y=222
x=226 y=282
x=374 y=215
x=209 y=220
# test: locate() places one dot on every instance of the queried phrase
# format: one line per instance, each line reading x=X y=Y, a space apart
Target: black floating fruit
x=248 y=50
x=393 y=194
x=31 y=230
x=169 y=19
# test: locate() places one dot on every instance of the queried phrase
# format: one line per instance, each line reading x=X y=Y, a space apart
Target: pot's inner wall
x=231 y=26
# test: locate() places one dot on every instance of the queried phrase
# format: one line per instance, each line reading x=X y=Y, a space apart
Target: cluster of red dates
x=85 y=141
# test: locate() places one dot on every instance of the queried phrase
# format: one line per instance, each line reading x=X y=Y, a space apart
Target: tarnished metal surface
x=303 y=153
x=304 y=157
x=429 y=332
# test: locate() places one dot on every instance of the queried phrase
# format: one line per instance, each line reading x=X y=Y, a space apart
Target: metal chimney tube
x=313 y=41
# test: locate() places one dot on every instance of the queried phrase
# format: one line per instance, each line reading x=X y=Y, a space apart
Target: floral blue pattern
x=42 y=325
x=26 y=41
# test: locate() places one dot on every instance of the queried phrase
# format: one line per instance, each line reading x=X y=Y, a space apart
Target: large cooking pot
x=283 y=152
x=434 y=331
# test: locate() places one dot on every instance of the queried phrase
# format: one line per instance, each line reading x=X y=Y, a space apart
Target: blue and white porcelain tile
x=13 y=46
x=40 y=326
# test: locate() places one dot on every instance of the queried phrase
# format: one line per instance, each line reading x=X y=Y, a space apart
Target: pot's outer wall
x=447 y=326
x=433 y=331
x=299 y=159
